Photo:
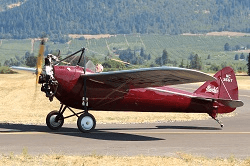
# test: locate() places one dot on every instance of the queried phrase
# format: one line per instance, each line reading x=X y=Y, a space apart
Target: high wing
x=148 y=77
x=23 y=68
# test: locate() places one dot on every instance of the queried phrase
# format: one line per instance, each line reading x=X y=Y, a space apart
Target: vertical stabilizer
x=225 y=86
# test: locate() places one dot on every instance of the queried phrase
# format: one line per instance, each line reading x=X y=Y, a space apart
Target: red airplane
x=143 y=90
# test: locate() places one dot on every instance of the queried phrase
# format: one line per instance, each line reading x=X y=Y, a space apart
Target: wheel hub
x=53 y=121
x=87 y=123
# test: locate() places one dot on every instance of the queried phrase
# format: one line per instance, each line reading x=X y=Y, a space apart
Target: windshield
x=74 y=60
x=90 y=65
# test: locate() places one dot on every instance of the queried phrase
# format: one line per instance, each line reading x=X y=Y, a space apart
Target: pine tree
x=237 y=47
x=165 y=57
x=31 y=61
x=142 y=52
x=236 y=57
x=248 y=64
x=158 y=61
x=149 y=57
x=199 y=64
x=227 y=47
x=196 y=63
x=187 y=65
x=182 y=64
x=242 y=56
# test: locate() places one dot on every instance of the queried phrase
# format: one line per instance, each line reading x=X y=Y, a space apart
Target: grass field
x=179 y=159
x=243 y=82
x=22 y=102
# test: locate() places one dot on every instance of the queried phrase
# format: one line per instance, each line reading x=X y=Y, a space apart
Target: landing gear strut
x=86 y=122
x=220 y=122
x=214 y=116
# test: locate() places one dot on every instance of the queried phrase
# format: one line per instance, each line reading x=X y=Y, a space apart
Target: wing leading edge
x=23 y=68
x=149 y=77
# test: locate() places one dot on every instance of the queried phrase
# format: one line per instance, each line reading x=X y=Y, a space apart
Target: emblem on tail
x=212 y=89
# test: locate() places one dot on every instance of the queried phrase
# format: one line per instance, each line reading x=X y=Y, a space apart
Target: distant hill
x=31 y=18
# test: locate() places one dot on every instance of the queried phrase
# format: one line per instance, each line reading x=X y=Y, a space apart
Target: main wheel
x=86 y=123
x=54 y=120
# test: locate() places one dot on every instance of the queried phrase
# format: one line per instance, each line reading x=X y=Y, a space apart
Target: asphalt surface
x=204 y=137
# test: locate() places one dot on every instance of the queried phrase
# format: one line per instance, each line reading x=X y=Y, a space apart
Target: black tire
x=50 y=120
x=86 y=123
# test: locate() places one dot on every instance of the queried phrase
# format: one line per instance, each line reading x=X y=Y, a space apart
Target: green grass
x=11 y=48
x=95 y=159
x=178 y=46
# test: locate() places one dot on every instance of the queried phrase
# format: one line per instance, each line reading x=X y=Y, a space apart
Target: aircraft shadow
x=97 y=134
x=189 y=127
x=166 y=127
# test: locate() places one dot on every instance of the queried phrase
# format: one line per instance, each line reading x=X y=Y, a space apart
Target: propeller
x=39 y=62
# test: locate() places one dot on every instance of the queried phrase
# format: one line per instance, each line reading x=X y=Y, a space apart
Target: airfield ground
x=57 y=159
x=21 y=102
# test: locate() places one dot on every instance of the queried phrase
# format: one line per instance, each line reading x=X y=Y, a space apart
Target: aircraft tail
x=224 y=91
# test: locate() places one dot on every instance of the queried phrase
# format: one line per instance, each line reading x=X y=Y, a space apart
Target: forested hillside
x=30 y=18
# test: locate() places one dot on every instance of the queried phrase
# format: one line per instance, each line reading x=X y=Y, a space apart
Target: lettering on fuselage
x=211 y=89
x=228 y=78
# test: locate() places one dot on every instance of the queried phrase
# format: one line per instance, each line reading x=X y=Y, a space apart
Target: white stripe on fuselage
x=167 y=91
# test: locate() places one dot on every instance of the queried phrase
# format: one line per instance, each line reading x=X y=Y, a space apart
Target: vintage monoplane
x=143 y=90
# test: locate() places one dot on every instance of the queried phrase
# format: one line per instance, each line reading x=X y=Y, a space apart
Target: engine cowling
x=47 y=79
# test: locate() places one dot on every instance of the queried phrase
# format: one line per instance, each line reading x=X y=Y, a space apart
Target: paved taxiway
x=203 y=137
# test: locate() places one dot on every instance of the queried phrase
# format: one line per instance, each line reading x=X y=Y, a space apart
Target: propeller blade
x=39 y=62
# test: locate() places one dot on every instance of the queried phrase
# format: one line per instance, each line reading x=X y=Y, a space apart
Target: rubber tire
x=83 y=120
x=57 y=125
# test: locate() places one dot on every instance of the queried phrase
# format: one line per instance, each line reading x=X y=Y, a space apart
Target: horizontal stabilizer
x=226 y=102
x=231 y=103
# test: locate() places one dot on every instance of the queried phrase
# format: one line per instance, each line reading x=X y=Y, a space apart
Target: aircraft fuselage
x=103 y=97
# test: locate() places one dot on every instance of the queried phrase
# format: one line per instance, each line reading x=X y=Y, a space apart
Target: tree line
x=139 y=59
x=237 y=47
x=135 y=57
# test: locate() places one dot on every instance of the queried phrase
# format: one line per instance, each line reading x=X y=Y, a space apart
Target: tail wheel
x=86 y=123
x=54 y=120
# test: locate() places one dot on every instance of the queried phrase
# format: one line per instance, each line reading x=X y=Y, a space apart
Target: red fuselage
x=103 y=97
